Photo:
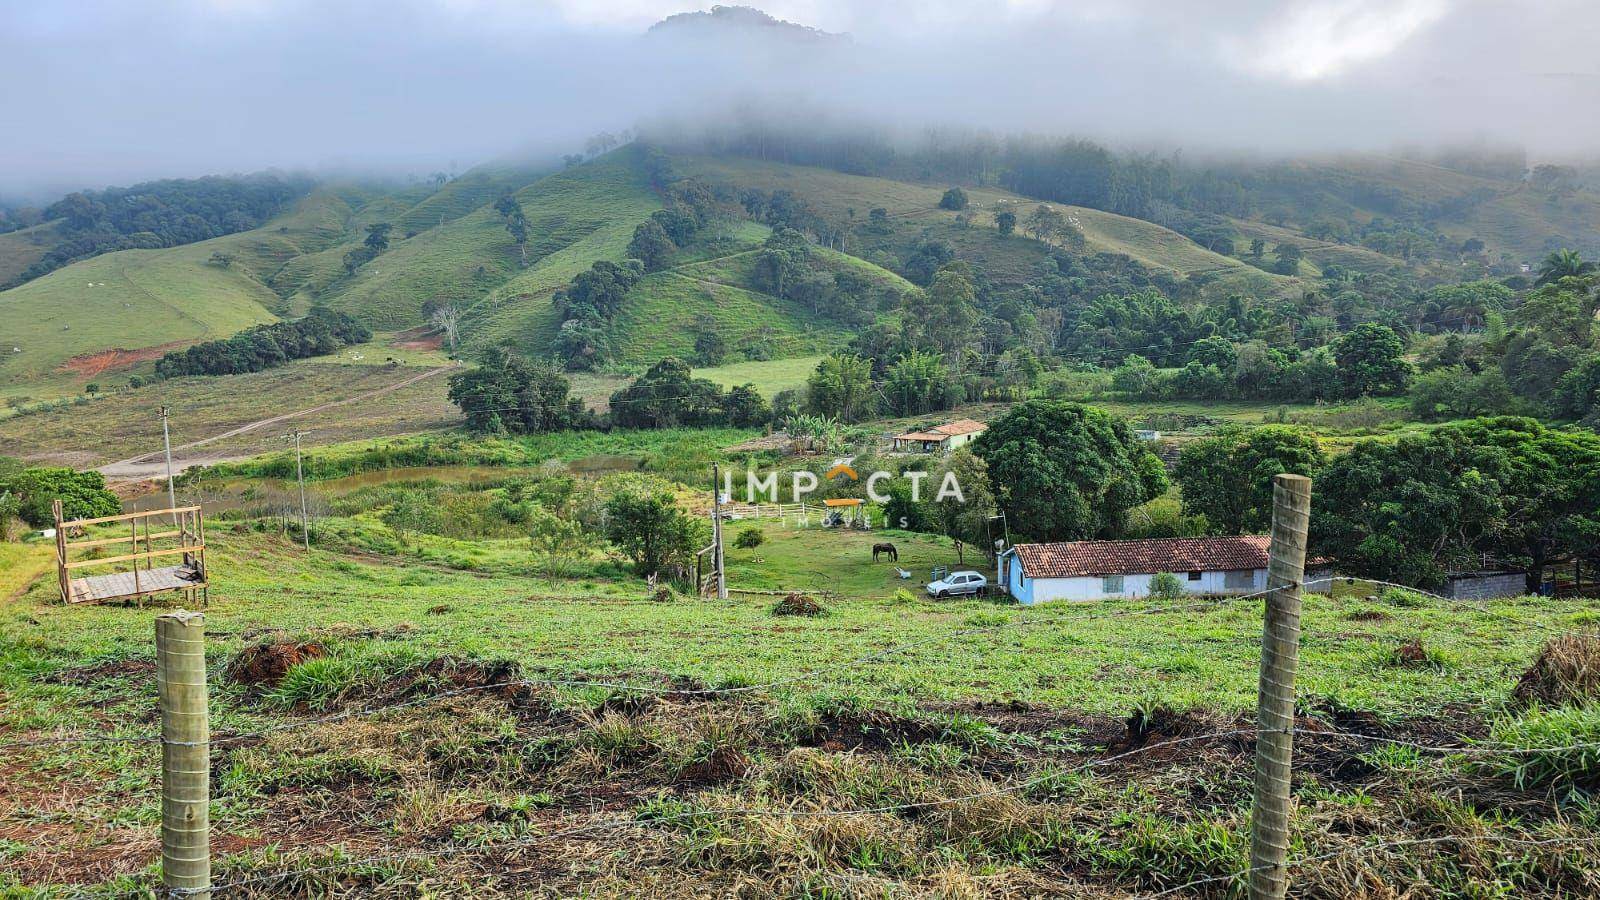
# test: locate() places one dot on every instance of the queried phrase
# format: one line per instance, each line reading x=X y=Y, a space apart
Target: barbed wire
x=659 y=690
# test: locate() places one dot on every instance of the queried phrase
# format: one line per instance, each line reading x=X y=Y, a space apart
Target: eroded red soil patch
x=89 y=365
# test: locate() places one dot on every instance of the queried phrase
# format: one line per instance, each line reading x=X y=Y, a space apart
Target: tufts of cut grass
x=1567 y=670
x=1557 y=748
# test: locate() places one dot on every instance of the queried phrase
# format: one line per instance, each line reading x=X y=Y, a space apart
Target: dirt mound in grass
x=266 y=663
x=1567 y=670
x=797 y=604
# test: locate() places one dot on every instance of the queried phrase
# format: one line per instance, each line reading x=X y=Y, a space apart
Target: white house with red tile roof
x=940 y=438
x=1100 y=570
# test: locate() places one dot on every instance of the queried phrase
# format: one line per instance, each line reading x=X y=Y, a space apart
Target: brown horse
x=894 y=554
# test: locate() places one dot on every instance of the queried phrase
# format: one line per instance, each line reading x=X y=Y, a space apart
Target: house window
x=1194 y=576
x=1111 y=584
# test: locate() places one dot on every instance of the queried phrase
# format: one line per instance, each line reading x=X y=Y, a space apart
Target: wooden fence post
x=1280 y=655
x=185 y=754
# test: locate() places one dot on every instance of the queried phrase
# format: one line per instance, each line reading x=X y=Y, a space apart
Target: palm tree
x=1561 y=264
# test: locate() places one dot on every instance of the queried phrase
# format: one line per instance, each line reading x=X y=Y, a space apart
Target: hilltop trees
x=1062 y=471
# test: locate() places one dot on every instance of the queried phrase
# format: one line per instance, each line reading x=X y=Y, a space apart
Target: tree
x=841 y=387
x=1453 y=392
x=447 y=319
x=1563 y=263
x=955 y=198
x=878 y=220
x=646 y=524
x=505 y=394
x=1228 y=477
x=1258 y=248
x=1062 y=471
x=1371 y=360
x=651 y=245
x=412 y=512
x=1288 y=259
x=749 y=539
x=709 y=347
x=557 y=541
x=666 y=396
x=745 y=407
x=378 y=236
x=1214 y=351
x=1006 y=221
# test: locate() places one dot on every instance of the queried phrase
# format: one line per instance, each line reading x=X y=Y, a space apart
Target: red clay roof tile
x=1144 y=557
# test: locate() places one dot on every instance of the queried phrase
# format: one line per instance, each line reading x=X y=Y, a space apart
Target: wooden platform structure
x=140 y=576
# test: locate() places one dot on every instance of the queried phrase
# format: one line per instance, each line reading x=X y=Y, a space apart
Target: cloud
x=107 y=91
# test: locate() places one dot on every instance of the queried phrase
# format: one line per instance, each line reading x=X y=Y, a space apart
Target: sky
x=100 y=92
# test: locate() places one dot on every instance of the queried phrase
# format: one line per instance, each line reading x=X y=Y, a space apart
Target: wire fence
x=1323 y=732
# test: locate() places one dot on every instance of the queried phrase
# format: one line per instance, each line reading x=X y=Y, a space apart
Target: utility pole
x=185 y=754
x=1280 y=657
x=300 y=476
x=716 y=532
x=166 y=441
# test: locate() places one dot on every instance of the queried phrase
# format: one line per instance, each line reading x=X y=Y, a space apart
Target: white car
x=958 y=583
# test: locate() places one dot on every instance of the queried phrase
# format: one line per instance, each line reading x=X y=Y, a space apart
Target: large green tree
x=1063 y=471
x=1228 y=477
x=645 y=523
x=1372 y=360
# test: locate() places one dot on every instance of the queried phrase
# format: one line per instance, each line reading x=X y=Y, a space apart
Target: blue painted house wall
x=1017 y=584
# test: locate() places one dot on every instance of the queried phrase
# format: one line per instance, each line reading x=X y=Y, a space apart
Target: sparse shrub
x=798 y=604
x=749 y=539
x=1166 y=586
x=901 y=595
x=1567 y=670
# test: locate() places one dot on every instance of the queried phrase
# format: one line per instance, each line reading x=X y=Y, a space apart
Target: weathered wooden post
x=717 y=559
x=1280 y=655
x=185 y=754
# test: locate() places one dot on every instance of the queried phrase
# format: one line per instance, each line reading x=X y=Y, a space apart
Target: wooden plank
x=120 y=585
x=150 y=513
x=102 y=542
x=169 y=551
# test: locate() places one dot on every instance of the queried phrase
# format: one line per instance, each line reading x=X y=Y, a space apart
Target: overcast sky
x=106 y=91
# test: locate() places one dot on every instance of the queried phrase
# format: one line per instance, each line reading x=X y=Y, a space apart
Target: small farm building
x=940 y=438
x=1098 y=570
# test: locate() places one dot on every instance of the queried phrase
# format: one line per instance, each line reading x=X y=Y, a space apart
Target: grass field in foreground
x=1100 y=658
x=981 y=723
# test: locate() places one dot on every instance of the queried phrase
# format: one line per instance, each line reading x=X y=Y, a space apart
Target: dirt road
x=153 y=465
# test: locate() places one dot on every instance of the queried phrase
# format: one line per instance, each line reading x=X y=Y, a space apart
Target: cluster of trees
x=1503 y=488
x=505 y=394
x=668 y=396
x=1369 y=360
x=586 y=306
x=164 y=214
x=30 y=493
x=691 y=206
x=321 y=332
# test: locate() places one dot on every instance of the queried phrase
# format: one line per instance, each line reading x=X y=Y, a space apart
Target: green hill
x=914 y=212
x=575 y=217
x=21 y=249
